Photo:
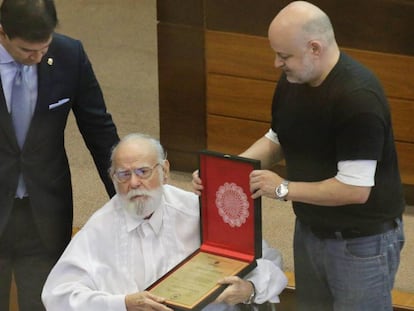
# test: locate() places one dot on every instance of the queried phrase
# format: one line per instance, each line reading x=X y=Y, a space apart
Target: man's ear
x=316 y=47
x=2 y=34
x=166 y=170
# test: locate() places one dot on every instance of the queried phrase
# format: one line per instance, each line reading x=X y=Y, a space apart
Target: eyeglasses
x=142 y=172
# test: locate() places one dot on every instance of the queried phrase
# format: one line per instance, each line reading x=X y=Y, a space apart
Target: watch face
x=281 y=191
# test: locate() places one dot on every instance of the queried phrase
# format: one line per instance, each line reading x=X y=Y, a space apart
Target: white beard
x=143 y=206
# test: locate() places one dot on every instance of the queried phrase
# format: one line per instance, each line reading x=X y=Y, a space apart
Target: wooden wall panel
x=376 y=25
x=396 y=72
x=239 y=97
x=181 y=93
x=232 y=54
x=227 y=66
x=406 y=162
x=240 y=55
x=181 y=12
x=233 y=135
x=242 y=16
x=13 y=304
x=402 y=113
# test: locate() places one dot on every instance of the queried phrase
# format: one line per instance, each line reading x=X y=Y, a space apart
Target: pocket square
x=59 y=103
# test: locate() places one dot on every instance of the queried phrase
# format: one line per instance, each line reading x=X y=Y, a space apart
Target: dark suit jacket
x=65 y=81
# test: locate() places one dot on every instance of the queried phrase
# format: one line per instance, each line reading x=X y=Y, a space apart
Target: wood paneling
x=251 y=57
x=233 y=135
x=181 y=91
x=181 y=12
x=402 y=113
x=14 y=305
x=395 y=71
x=402 y=300
x=376 y=25
x=242 y=16
x=239 y=97
x=240 y=55
x=227 y=67
x=406 y=161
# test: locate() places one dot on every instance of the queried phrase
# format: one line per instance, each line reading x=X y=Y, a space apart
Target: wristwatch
x=282 y=190
x=250 y=300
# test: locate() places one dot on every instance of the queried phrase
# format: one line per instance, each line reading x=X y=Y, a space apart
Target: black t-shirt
x=347 y=117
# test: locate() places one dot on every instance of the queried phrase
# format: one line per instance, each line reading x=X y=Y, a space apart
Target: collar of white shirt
x=155 y=221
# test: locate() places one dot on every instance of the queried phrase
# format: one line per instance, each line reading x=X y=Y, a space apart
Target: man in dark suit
x=35 y=182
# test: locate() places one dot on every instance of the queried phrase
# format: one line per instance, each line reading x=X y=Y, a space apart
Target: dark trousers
x=23 y=254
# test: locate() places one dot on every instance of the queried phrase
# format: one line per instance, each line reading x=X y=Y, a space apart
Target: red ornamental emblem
x=232 y=204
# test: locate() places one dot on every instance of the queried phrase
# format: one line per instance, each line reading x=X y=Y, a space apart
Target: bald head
x=303 y=21
x=303 y=39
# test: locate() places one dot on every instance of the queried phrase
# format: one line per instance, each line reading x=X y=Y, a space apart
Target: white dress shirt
x=116 y=253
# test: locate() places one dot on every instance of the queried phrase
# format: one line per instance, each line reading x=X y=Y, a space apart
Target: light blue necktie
x=21 y=115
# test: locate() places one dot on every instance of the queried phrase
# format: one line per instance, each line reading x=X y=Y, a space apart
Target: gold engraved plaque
x=195 y=280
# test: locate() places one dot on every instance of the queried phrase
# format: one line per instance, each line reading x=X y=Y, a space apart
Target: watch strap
x=250 y=300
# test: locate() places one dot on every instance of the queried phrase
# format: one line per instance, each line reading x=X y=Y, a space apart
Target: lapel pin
x=50 y=61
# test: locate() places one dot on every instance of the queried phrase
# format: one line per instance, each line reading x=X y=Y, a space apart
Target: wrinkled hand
x=264 y=183
x=145 y=301
x=238 y=290
x=196 y=182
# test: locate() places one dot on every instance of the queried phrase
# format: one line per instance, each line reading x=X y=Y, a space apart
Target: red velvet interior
x=233 y=241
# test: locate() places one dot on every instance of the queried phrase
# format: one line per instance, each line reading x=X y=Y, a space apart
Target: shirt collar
x=5 y=57
x=133 y=221
x=156 y=219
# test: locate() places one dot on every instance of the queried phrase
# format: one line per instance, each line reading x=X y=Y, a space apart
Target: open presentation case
x=231 y=234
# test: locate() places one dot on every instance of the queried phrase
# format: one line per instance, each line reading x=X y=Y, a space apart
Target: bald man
x=331 y=123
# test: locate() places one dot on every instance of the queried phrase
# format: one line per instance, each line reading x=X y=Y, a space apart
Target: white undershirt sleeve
x=357 y=172
x=272 y=135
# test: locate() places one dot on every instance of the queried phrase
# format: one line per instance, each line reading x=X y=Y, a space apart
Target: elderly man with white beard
x=145 y=230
